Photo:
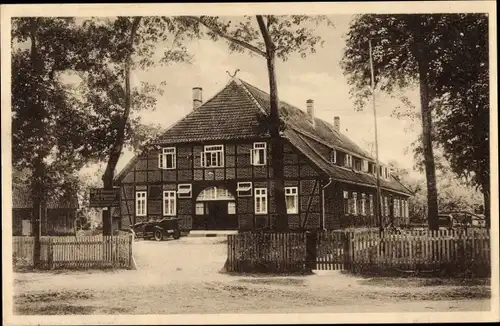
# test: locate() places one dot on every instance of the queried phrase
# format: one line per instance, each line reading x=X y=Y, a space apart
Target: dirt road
x=183 y=276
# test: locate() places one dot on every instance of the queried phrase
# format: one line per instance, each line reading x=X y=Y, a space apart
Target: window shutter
x=252 y=153
x=160 y=161
x=202 y=159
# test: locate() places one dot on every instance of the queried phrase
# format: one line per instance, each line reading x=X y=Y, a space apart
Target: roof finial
x=233 y=75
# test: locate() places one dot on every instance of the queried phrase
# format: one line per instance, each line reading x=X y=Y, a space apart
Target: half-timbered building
x=212 y=170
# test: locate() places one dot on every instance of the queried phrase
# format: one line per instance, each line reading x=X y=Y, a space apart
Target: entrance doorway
x=215 y=210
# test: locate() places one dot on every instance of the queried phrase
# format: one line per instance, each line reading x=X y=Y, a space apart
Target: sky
x=318 y=77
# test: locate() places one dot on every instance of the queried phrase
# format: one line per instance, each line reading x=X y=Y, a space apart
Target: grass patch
x=274 y=281
x=423 y=282
x=36 y=297
x=54 y=309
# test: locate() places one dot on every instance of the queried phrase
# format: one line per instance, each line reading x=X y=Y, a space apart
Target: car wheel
x=158 y=235
x=177 y=235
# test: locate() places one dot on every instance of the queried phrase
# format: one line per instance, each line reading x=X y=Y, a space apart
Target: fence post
x=346 y=239
x=50 y=254
x=311 y=254
x=130 y=242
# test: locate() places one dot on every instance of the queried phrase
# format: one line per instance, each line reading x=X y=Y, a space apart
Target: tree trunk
x=486 y=196
x=37 y=196
x=430 y=169
x=38 y=172
x=274 y=131
x=117 y=147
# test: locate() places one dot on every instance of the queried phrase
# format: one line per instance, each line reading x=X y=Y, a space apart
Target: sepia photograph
x=267 y=161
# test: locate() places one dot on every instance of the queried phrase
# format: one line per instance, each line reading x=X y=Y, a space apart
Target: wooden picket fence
x=266 y=252
x=74 y=252
x=442 y=251
x=331 y=250
x=446 y=252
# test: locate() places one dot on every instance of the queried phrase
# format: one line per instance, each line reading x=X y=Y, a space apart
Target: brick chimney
x=197 y=97
x=336 y=124
x=310 y=111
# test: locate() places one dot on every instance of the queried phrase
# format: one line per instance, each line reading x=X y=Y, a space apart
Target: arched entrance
x=215 y=210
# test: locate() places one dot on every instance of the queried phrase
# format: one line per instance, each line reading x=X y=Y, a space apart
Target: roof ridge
x=317 y=139
x=242 y=84
x=329 y=125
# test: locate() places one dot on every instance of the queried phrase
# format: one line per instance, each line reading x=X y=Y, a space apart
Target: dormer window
x=258 y=154
x=333 y=157
x=357 y=165
x=348 y=160
x=366 y=166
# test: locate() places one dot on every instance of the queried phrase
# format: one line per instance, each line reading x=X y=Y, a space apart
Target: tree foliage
x=455 y=195
x=124 y=44
x=431 y=51
x=49 y=121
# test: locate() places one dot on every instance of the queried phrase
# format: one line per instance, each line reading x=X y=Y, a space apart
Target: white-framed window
x=386 y=206
x=231 y=208
x=244 y=189
x=212 y=156
x=407 y=210
x=292 y=200
x=371 y=204
x=348 y=160
x=166 y=159
x=396 y=207
x=200 y=208
x=260 y=200
x=333 y=156
x=363 y=204
x=402 y=208
x=169 y=203
x=354 y=203
x=357 y=165
x=258 y=155
x=365 y=166
x=185 y=190
x=346 y=202
x=141 y=206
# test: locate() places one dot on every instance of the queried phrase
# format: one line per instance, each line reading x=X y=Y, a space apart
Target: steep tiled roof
x=230 y=114
x=233 y=114
x=313 y=150
x=298 y=119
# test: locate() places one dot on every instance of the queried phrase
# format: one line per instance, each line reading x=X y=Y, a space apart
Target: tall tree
x=462 y=113
x=270 y=37
x=408 y=50
x=49 y=129
x=125 y=44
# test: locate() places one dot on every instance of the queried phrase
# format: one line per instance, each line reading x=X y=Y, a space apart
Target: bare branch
x=230 y=38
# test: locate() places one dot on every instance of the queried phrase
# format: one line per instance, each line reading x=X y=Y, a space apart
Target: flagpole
x=377 y=166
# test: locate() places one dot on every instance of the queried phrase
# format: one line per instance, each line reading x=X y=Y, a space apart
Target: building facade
x=60 y=214
x=213 y=170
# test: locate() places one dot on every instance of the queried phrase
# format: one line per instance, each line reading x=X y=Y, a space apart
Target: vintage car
x=157 y=230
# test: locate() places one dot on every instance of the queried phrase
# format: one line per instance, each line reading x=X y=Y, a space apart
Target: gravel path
x=183 y=277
